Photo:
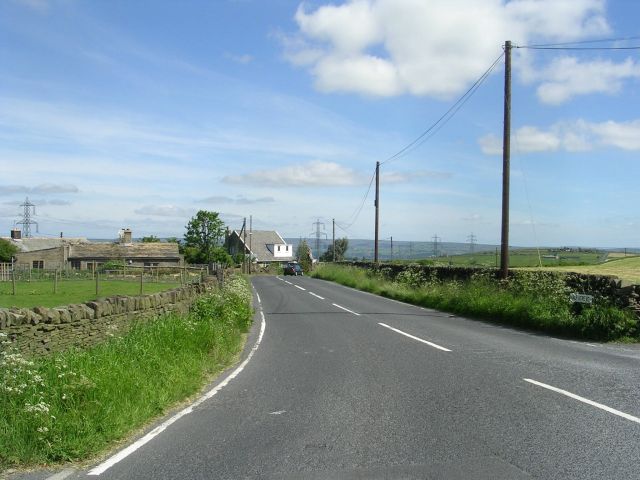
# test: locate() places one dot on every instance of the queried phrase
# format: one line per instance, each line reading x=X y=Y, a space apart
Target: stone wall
x=42 y=330
x=610 y=289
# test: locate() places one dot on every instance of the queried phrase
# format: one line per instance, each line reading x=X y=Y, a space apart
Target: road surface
x=337 y=383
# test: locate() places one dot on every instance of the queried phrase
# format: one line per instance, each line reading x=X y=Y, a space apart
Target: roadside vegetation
x=72 y=405
x=529 y=301
x=41 y=293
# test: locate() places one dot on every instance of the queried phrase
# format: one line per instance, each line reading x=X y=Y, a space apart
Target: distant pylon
x=26 y=221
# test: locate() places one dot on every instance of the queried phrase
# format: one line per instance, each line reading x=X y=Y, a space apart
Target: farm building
x=264 y=246
x=81 y=254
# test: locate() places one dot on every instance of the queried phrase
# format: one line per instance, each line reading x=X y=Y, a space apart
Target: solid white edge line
x=160 y=428
x=584 y=400
x=298 y=286
x=287 y=281
x=317 y=296
x=345 y=309
x=258 y=295
x=431 y=344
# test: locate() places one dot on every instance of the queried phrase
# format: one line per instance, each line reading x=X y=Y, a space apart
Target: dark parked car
x=293 y=269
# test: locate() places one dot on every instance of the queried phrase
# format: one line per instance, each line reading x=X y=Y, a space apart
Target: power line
x=447 y=115
x=354 y=216
x=582 y=42
x=528 y=47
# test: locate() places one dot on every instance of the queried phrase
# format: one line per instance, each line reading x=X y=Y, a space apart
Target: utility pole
x=377 y=205
x=506 y=159
x=26 y=221
x=435 y=245
x=250 y=237
x=334 y=240
x=392 y=249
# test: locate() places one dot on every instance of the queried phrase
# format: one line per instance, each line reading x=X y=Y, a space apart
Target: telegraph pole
x=250 y=236
x=506 y=159
x=377 y=205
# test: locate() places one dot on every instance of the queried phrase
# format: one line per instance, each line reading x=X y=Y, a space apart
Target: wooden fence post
x=55 y=281
x=13 y=279
x=97 y=284
x=141 y=280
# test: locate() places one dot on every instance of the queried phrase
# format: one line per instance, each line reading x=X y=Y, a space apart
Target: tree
x=7 y=250
x=203 y=238
x=150 y=239
x=341 y=247
x=303 y=255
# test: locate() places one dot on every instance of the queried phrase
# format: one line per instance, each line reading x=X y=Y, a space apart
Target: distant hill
x=359 y=249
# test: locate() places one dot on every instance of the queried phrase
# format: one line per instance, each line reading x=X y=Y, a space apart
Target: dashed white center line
x=431 y=344
x=257 y=295
x=280 y=279
x=317 y=296
x=345 y=309
x=584 y=400
x=298 y=286
x=287 y=281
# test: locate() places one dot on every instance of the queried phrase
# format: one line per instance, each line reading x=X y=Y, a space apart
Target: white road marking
x=298 y=286
x=280 y=279
x=110 y=462
x=317 y=296
x=345 y=309
x=279 y=412
x=585 y=400
x=431 y=344
x=61 y=475
x=287 y=281
x=257 y=295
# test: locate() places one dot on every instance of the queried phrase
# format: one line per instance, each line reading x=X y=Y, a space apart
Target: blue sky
x=138 y=114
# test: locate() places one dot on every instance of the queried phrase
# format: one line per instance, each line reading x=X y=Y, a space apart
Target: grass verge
x=536 y=305
x=40 y=293
x=72 y=405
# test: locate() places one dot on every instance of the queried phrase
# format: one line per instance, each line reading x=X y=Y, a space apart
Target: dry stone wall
x=42 y=330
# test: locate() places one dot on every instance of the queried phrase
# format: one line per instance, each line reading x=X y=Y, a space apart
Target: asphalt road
x=344 y=384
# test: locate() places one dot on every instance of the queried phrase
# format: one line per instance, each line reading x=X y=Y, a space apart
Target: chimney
x=16 y=234
x=126 y=235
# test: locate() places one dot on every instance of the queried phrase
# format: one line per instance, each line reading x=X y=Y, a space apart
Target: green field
x=40 y=293
x=520 y=258
x=627 y=269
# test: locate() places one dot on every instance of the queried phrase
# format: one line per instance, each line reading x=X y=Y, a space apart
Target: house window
x=38 y=264
x=75 y=264
x=278 y=247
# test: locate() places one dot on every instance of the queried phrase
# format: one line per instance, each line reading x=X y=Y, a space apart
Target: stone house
x=81 y=254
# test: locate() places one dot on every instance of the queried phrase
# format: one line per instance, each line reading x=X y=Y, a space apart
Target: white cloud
x=38 y=189
x=567 y=77
x=405 y=177
x=239 y=200
x=578 y=136
x=163 y=211
x=435 y=48
x=314 y=174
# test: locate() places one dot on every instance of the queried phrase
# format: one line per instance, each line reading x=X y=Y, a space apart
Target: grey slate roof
x=259 y=241
x=34 y=244
x=126 y=250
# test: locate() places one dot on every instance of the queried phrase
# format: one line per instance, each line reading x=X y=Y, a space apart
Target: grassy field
x=520 y=258
x=530 y=302
x=627 y=269
x=72 y=405
x=40 y=293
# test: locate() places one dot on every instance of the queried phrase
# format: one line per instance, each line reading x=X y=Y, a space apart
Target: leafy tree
x=150 y=239
x=7 y=250
x=341 y=247
x=173 y=240
x=303 y=255
x=203 y=238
